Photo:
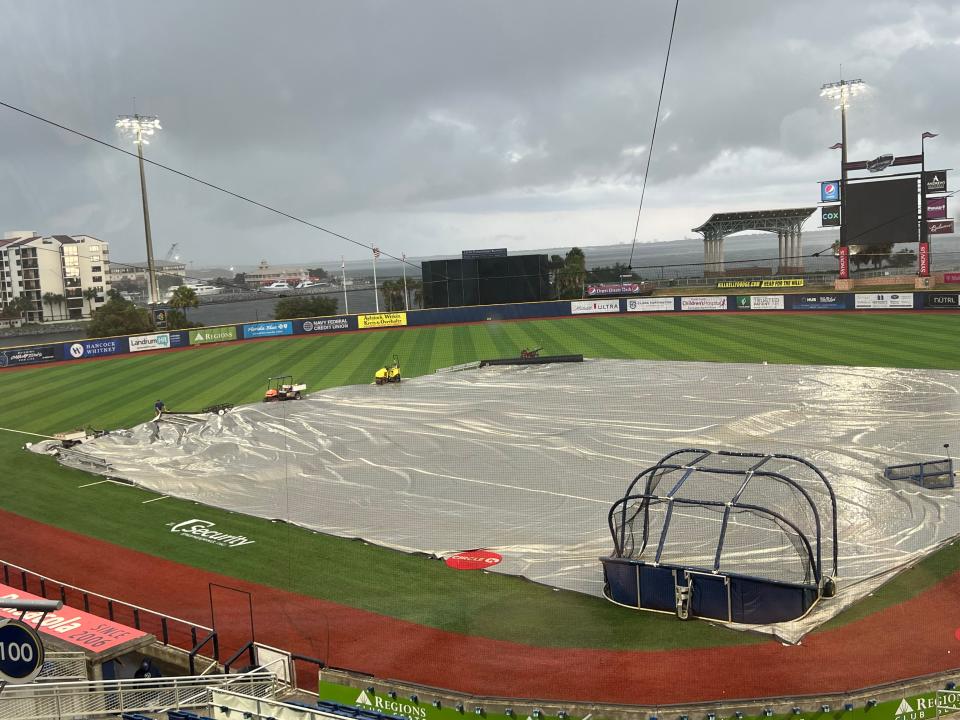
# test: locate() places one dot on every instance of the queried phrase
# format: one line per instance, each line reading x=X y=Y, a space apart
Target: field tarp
x=526 y=461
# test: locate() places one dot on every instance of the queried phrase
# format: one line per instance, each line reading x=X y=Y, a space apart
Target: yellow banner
x=381 y=320
x=786 y=282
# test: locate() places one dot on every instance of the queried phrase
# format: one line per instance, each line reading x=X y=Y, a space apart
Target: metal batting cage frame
x=723 y=535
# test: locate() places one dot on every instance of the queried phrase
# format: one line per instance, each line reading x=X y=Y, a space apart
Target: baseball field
x=422 y=592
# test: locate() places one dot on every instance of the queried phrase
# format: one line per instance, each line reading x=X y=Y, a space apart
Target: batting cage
x=730 y=536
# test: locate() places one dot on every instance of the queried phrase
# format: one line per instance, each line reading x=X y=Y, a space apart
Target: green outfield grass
x=120 y=393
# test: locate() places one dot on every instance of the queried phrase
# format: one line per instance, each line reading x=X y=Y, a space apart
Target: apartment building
x=52 y=273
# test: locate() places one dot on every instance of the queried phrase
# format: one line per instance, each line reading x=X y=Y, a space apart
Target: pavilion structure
x=786 y=223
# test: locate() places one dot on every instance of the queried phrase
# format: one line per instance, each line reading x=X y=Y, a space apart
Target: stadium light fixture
x=848 y=706
x=871 y=703
x=392 y=694
x=478 y=710
x=768 y=712
x=140 y=128
x=459 y=707
x=371 y=689
x=825 y=708
x=414 y=698
x=841 y=92
x=796 y=711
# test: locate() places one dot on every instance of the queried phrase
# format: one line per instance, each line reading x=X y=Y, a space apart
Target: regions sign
x=883 y=301
x=830 y=191
x=322 y=325
x=159 y=341
x=947 y=301
x=378 y=320
x=586 y=307
x=630 y=288
x=268 y=329
x=760 y=302
x=76 y=627
x=708 y=302
x=940 y=227
x=772 y=283
x=935 y=181
x=658 y=304
x=27 y=356
x=204 y=336
x=93 y=348
x=819 y=302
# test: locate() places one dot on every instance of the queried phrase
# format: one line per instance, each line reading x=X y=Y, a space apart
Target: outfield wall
x=79 y=350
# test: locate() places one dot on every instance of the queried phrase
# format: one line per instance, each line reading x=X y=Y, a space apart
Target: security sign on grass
x=473 y=560
x=586 y=307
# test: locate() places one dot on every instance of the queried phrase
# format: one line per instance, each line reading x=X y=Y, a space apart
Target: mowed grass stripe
x=343 y=570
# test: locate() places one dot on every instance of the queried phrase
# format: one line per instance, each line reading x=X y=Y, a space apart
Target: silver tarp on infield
x=526 y=461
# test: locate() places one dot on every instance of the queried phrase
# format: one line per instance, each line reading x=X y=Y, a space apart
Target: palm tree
x=184 y=297
x=90 y=294
x=50 y=299
x=21 y=305
x=61 y=300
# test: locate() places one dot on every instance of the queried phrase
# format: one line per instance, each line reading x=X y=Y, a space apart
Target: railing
x=169 y=630
x=75 y=700
x=61 y=666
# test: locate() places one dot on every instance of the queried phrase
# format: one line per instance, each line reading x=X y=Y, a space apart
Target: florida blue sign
x=268 y=329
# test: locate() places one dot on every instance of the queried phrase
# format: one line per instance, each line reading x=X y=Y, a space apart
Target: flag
x=376 y=253
x=838 y=146
x=928 y=135
x=343 y=263
x=403 y=256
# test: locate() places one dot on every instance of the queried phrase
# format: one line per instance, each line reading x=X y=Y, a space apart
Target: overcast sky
x=428 y=127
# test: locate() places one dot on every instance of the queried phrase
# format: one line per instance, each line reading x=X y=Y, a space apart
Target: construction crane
x=170 y=253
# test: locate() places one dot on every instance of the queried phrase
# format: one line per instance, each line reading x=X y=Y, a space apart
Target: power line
x=653 y=135
x=206 y=183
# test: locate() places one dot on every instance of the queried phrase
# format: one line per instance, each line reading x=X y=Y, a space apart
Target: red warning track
x=915 y=638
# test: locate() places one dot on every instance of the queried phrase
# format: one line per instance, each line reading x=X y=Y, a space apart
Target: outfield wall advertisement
x=205 y=336
x=267 y=329
x=884 y=301
x=588 y=307
x=94 y=348
x=706 y=302
x=922 y=706
x=28 y=355
x=943 y=300
x=657 y=304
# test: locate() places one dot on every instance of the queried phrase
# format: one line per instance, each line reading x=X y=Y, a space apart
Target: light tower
x=841 y=91
x=140 y=128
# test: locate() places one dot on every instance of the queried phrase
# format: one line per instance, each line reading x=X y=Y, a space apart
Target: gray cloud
x=431 y=124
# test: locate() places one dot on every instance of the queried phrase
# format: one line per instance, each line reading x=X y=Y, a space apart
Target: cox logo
x=76 y=350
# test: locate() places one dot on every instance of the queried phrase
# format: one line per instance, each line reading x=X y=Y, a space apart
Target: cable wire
x=653 y=135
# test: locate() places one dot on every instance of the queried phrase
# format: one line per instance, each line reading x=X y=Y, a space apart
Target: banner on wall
x=923 y=259
x=268 y=329
x=378 y=320
x=760 y=302
x=93 y=348
x=772 y=283
x=587 y=307
x=205 y=336
x=819 y=302
x=322 y=325
x=157 y=341
x=936 y=208
x=706 y=302
x=658 y=304
x=27 y=356
x=627 y=288
x=843 y=259
x=950 y=301
x=884 y=301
